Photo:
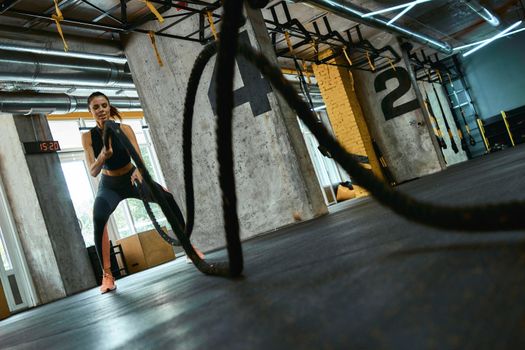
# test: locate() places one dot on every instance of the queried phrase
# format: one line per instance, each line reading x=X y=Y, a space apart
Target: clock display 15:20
x=49 y=146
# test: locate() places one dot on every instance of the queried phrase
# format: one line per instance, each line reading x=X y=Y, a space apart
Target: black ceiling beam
x=200 y=30
x=171 y=36
x=6 y=5
x=123 y=12
x=187 y=15
x=96 y=26
x=104 y=13
x=71 y=22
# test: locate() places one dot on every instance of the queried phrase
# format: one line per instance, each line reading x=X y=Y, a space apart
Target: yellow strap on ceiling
x=439 y=75
x=306 y=72
x=154 y=11
x=346 y=55
x=391 y=63
x=314 y=47
x=212 y=25
x=57 y=17
x=152 y=38
x=288 y=42
x=450 y=82
x=370 y=62
x=312 y=43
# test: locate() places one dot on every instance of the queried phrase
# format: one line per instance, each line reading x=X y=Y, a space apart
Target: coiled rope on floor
x=484 y=218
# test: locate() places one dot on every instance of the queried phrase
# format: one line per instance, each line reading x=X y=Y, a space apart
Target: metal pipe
x=483 y=12
x=28 y=102
x=37 y=68
x=346 y=9
x=47 y=51
x=67 y=89
x=50 y=40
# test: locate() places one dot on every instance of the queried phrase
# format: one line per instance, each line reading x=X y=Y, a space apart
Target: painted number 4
x=255 y=87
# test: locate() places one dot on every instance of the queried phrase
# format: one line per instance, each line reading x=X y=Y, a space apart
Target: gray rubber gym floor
x=359 y=278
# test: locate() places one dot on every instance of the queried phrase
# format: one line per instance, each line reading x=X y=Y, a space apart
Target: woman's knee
x=101 y=213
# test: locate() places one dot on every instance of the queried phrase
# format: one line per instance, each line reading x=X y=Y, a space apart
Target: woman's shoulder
x=86 y=137
x=124 y=127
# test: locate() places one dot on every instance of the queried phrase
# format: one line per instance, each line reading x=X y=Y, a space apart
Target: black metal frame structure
x=363 y=53
x=119 y=14
x=308 y=43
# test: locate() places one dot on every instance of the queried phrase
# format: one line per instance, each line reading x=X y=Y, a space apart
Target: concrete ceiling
x=448 y=20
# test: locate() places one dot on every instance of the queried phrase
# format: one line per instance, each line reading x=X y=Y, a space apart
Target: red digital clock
x=41 y=147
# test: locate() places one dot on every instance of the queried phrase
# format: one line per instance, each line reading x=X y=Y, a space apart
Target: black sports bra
x=120 y=155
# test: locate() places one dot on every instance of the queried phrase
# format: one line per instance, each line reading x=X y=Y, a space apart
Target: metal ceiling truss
x=425 y=66
x=307 y=44
x=6 y=5
x=119 y=14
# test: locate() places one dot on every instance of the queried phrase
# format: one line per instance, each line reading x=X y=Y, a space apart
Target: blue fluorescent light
x=482 y=41
x=497 y=36
x=410 y=4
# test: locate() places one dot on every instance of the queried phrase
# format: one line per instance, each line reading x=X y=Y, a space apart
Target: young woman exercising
x=118 y=176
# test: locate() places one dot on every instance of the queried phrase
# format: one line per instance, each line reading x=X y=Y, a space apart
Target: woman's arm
x=94 y=164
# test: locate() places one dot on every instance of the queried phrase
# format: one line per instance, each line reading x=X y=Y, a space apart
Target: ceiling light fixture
x=482 y=41
x=407 y=5
x=497 y=36
x=401 y=14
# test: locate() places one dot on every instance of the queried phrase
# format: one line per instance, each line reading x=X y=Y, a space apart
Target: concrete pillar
x=275 y=178
x=43 y=212
x=344 y=112
x=395 y=118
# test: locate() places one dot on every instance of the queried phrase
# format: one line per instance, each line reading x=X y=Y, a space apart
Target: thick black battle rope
x=219 y=268
x=229 y=38
x=160 y=231
x=505 y=216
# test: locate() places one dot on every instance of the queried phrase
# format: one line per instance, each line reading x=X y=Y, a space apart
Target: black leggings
x=111 y=191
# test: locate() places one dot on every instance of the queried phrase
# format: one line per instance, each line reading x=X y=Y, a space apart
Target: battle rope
x=219 y=268
x=491 y=217
x=160 y=231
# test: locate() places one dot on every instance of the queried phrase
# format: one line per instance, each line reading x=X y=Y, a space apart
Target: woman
x=118 y=176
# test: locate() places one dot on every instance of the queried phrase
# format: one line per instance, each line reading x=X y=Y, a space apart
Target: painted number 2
x=387 y=104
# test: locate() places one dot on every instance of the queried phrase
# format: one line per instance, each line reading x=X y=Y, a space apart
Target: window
x=3 y=253
x=81 y=192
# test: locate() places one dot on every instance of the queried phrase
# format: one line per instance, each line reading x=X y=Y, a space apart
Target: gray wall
x=496 y=75
x=43 y=212
x=274 y=175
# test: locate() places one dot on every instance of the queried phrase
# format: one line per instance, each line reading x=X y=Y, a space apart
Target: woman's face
x=99 y=108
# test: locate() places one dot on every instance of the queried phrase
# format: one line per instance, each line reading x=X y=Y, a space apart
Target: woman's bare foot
x=199 y=253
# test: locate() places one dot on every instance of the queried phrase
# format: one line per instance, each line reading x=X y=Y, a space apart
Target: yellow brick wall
x=345 y=114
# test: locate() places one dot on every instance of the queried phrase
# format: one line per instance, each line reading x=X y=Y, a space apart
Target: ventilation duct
x=47 y=51
x=31 y=102
x=346 y=9
x=37 y=68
